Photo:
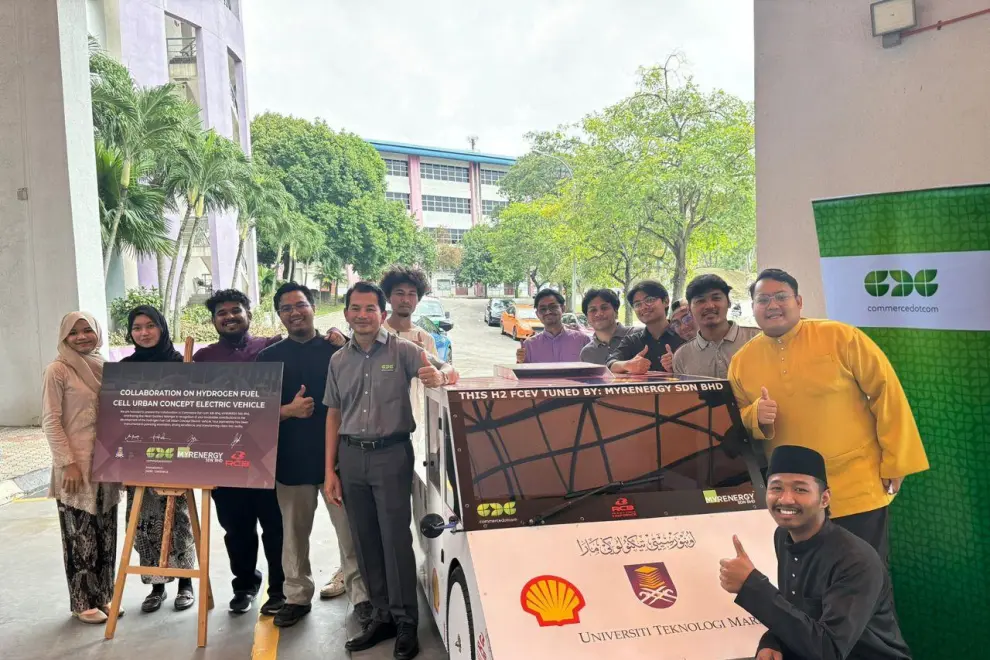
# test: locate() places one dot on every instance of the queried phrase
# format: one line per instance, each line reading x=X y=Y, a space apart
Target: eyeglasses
x=299 y=307
x=684 y=320
x=649 y=301
x=780 y=298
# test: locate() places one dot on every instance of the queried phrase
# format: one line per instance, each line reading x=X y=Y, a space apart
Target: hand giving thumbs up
x=733 y=572
x=766 y=408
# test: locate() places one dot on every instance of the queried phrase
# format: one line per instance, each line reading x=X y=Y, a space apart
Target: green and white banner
x=912 y=269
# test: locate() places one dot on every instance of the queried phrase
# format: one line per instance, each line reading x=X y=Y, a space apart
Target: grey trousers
x=377 y=487
x=298 y=505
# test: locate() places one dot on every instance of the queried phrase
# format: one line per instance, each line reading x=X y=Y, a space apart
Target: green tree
x=136 y=126
x=477 y=261
x=528 y=242
x=264 y=201
x=208 y=172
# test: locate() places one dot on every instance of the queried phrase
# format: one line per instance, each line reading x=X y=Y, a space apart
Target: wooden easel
x=201 y=535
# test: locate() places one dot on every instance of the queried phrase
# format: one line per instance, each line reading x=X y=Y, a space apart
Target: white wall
x=50 y=251
x=837 y=114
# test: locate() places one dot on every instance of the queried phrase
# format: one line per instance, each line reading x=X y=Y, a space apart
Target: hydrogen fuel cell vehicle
x=566 y=512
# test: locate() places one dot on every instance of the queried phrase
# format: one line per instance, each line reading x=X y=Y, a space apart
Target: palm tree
x=208 y=171
x=264 y=202
x=137 y=124
x=142 y=229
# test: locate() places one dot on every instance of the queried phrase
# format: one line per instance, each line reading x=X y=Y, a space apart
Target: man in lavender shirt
x=239 y=510
x=556 y=343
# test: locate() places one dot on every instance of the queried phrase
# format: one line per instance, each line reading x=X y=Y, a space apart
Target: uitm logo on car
x=923 y=283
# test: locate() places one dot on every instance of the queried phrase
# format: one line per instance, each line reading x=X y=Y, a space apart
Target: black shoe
x=184 y=599
x=372 y=634
x=154 y=601
x=241 y=602
x=364 y=611
x=273 y=605
x=289 y=614
x=406 y=642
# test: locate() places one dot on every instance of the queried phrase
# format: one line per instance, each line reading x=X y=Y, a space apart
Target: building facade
x=199 y=46
x=448 y=192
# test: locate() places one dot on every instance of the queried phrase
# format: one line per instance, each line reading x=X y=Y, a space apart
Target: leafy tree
x=527 y=242
x=264 y=201
x=134 y=125
x=477 y=262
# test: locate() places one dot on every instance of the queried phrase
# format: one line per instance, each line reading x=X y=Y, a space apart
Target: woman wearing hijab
x=87 y=511
x=148 y=331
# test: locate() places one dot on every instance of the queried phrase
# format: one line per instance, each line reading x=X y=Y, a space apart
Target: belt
x=375 y=443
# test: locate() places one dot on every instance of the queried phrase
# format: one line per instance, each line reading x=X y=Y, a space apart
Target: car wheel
x=515 y=334
x=501 y=326
x=450 y=355
x=460 y=622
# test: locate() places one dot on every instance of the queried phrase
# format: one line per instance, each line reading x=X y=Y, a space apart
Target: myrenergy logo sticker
x=923 y=283
x=712 y=497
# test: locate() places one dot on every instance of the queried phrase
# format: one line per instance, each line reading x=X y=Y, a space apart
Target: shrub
x=120 y=307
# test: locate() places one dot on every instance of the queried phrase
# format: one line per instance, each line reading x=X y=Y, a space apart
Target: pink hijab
x=88 y=366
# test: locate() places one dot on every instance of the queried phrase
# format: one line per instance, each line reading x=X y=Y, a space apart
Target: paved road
x=477 y=347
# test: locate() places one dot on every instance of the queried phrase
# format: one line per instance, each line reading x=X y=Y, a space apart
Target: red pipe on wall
x=941 y=24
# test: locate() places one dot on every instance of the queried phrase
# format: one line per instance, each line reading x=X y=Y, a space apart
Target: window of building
x=443 y=172
x=490 y=207
x=232 y=6
x=183 y=65
x=446 y=236
x=233 y=67
x=491 y=177
x=444 y=204
x=396 y=167
x=398 y=197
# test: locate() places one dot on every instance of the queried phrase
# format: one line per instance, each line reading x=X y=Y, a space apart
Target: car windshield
x=429 y=308
x=525 y=313
x=426 y=324
x=498 y=304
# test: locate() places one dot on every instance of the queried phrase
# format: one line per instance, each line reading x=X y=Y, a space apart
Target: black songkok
x=791 y=459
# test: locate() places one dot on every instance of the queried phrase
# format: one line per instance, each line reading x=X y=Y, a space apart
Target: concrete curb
x=24 y=485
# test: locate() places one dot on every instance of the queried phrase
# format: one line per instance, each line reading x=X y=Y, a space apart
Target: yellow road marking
x=25 y=500
x=265 y=645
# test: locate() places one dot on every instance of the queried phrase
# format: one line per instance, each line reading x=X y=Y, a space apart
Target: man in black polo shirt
x=370 y=420
x=305 y=356
x=643 y=349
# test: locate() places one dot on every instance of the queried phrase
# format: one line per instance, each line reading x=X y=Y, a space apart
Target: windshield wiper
x=578 y=496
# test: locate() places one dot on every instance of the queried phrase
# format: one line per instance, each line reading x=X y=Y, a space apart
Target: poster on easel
x=912 y=270
x=169 y=423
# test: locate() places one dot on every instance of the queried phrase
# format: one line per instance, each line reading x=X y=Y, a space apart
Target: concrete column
x=50 y=249
x=415 y=190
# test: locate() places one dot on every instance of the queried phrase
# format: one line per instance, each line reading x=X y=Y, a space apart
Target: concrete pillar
x=50 y=249
x=415 y=190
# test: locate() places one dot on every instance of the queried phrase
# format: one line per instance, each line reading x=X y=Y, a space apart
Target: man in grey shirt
x=601 y=307
x=718 y=338
x=370 y=420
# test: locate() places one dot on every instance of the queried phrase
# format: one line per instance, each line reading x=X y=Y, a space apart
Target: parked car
x=494 y=309
x=520 y=321
x=445 y=349
x=577 y=322
x=432 y=308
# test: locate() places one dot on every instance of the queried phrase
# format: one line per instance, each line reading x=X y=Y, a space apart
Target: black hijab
x=163 y=351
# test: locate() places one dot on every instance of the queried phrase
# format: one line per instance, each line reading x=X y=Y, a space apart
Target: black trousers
x=239 y=511
x=377 y=485
x=870 y=526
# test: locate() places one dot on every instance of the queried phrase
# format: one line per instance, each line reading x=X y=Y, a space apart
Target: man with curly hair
x=404 y=287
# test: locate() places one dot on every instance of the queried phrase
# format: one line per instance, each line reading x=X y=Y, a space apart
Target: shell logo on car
x=494 y=509
x=553 y=600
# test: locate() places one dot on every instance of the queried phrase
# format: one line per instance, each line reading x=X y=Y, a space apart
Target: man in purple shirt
x=239 y=510
x=556 y=343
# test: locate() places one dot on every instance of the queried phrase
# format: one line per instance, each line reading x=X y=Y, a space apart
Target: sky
x=433 y=72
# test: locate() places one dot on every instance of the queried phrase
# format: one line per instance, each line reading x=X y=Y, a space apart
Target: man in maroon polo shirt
x=239 y=510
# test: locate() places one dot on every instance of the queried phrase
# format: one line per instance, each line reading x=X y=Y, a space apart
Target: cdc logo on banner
x=923 y=282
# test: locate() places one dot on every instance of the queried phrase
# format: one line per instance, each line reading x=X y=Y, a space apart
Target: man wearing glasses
x=556 y=343
x=681 y=319
x=299 y=469
x=825 y=385
x=642 y=350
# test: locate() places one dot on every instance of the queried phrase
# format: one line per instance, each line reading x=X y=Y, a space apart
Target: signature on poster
x=132 y=438
x=160 y=437
x=616 y=545
x=237 y=439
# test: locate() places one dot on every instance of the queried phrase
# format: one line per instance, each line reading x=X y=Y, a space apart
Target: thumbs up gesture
x=766 y=408
x=302 y=405
x=734 y=571
x=521 y=352
x=667 y=360
x=640 y=364
x=428 y=374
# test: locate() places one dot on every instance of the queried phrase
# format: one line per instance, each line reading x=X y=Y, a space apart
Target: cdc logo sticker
x=496 y=510
x=923 y=282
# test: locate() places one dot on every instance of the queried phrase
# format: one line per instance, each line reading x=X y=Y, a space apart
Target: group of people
x=823 y=401
x=345 y=423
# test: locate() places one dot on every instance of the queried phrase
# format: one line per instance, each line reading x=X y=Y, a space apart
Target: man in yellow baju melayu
x=825 y=385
